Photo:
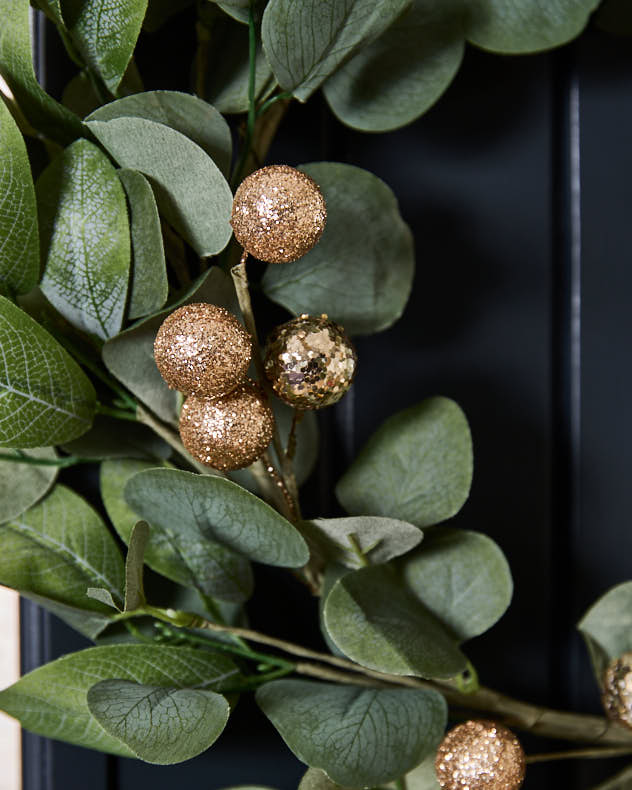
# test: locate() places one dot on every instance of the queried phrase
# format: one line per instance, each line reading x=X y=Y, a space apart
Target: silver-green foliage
x=607 y=627
x=21 y=485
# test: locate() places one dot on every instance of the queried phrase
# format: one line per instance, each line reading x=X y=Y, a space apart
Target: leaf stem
x=580 y=754
x=252 y=69
x=68 y=460
x=119 y=414
x=272 y=100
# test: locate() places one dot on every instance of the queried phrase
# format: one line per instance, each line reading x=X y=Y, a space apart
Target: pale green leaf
x=51 y=700
x=85 y=239
x=86 y=621
x=103 y=596
x=416 y=467
x=190 y=189
x=315 y=779
x=358 y=736
x=423 y=777
x=360 y=272
x=45 y=397
x=106 y=439
x=19 y=242
x=134 y=588
x=21 y=485
x=607 y=627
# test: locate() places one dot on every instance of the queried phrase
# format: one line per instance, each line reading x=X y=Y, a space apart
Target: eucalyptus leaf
x=85 y=239
x=306 y=42
x=106 y=440
x=19 y=242
x=462 y=577
x=360 y=272
x=216 y=509
x=51 y=700
x=375 y=620
x=79 y=95
x=160 y=725
x=607 y=627
x=315 y=779
x=21 y=485
x=358 y=736
x=105 y=34
x=134 y=588
x=521 y=26
x=331 y=575
x=416 y=467
x=45 y=397
x=190 y=189
x=149 y=287
x=87 y=622
x=423 y=777
x=103 y=596
x=395 y=79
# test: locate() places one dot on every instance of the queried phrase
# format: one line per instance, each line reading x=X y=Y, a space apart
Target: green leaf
x=607 y=627
x=87 y=622
x=85 y=239
x=184 y=113
x=149 y=287
x=621 y=781
x=79 y=95
x=16 y=66
x=378 y=539
x=134 y=590
x=190 y=189
x=216 y=509
x=358 y=736
x=520 y=26
x=160 y=725
x=360 y=272
x=376 y=621
x=399 y=76
x=416 y=467
x=105 y=34
x=19 y=243
x=461 y=577
x=160 y=11
x=21 y=485
x=423 y=777
x=106 y=440
x=315 y=779
x=52 y=9
x=306 y=42
x=45 y=397
x=52 y=700
x=104 y=596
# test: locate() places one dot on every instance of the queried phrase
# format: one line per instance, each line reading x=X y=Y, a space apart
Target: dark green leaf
x=416 y=467
x=160 y=11
x=306 y=42
x=107 y=439
x=399 y=76
x=360 y=272
x=358 y=736
x=218 y=510
x=607 y=627
x=315 y=779
x=52 y=701
x=85 y=239
x=191 y=191
x=45 y=397
x=21 y=485
x=134 y=590
x=622 y=781
x=376 y=621
x=79 y=95
x=52 y=9
x=19 y=243
x=160 y=725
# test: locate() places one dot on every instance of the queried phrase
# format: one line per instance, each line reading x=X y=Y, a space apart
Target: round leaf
x=106 y=440
x=607 y=627
x=360 y=273
x=21 y=485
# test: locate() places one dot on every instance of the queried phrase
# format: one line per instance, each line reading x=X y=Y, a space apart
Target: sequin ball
x=480 y=755
x=278 y=214
x=202 y=349
x=310 y=362
x=617 y=690
x=229 y=432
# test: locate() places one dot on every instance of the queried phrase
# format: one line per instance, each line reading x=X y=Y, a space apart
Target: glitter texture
x=278 y=214
x=310 y=362
x=480 y=755
x=202 y=349
x=229 y=432
x=617 y=690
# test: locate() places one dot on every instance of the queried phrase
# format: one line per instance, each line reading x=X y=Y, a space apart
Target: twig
x=580 y=754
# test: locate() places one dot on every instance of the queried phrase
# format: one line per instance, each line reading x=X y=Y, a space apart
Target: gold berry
x=229 y=432
x=202 y=349
x=310 y=362
x=617 y=690
x=278 y=214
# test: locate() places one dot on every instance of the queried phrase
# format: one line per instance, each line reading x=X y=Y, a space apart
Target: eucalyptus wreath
x=127 y=220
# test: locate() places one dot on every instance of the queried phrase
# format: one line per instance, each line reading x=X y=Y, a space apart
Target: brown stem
x=580 y=754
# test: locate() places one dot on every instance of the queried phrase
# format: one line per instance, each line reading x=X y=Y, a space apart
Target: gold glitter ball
x=310 y=362
x=202 y=349
x=617 y=690
x=229 y=432
x=278 y=214
x=480 y=755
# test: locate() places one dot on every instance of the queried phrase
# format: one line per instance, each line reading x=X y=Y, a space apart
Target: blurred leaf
x=621 y=781
x=607 y=627
x=358 y=736
x=134 y=589
x=52 y=9
x=615 y=16
x=376 y=621
x=306 y=42
x=149 y=286
x=218 y=510
x=108 y=438
x=395 y=79
x=190 y=189
x=160 y=11
x=105 y=34
x=417 y=466
x=85 y=239
x=360 y=272
x=19 y=243
x=315 y=779
x=184 y=113
x=79 y=95
x=423 y=777
x=45 y=397
x=21 y=485
x=51 y=700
